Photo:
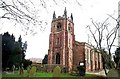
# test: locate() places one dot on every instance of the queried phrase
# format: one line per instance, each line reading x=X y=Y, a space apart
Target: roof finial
x=65 y=12
x=54 y=15
x=71 y=17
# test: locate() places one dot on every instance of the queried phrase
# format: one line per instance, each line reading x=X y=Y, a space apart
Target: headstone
x=113 y=73
x=57 y=71
x=13 y=68
x=32 y=71
x=21 y=69
x=28 y=68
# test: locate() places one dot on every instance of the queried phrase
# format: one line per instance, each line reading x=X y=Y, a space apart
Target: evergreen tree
x=117 y=58
x=7 y=50
x=45 y=60
x=13 y=52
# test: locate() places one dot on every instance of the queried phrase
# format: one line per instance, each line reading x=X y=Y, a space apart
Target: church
x=65 y=51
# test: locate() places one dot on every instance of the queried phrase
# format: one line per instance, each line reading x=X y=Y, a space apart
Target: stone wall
x=78 y=54
x=85 y=53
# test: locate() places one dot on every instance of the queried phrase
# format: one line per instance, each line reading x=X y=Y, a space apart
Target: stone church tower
x=61 y=41
x=65 y=51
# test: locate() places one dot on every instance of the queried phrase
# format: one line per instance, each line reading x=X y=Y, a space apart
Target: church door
x=57 y=58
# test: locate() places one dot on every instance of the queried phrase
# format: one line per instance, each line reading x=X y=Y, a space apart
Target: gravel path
x=102 y=72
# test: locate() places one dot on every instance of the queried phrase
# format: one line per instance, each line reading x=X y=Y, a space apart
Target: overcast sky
x=82 y=12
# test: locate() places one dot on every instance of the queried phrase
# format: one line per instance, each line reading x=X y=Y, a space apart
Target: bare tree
x=98 y=30
x=21 y=12
x=111 y=34
x=110 y=37
x=27 y=12
x=101 y=34
x=17 y=10
x=97 y=35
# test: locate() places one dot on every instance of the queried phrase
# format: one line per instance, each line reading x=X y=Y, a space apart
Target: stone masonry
x=64 y=50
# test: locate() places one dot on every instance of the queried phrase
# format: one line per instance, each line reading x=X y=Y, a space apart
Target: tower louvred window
x=59 y=27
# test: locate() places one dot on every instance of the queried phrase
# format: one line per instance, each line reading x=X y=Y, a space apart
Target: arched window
x=57 y=58
x=59 y=27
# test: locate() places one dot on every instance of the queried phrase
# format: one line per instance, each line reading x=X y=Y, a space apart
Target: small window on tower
x=69 y=42
x=69 y=29
x=59 y=27
x=58 y=41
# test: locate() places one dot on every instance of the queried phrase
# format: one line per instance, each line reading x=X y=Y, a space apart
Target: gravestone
x=57 y=71
x=13 y=68
x=21 y=69
x=28 y=68
x=32 y=71
x=113 y=73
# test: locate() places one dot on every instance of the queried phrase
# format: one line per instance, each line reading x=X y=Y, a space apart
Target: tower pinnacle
x=71 y=17
x=54 y=15
x=65 y=12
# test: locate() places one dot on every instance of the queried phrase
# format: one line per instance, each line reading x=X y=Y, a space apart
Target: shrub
x=113 y=73
x=73 y=73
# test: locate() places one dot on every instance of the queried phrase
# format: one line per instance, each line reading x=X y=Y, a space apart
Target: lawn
x=38 y=74
x=42 y=74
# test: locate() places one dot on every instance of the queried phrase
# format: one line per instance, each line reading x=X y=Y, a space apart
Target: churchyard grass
x=41 y=74
x=38 y=74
